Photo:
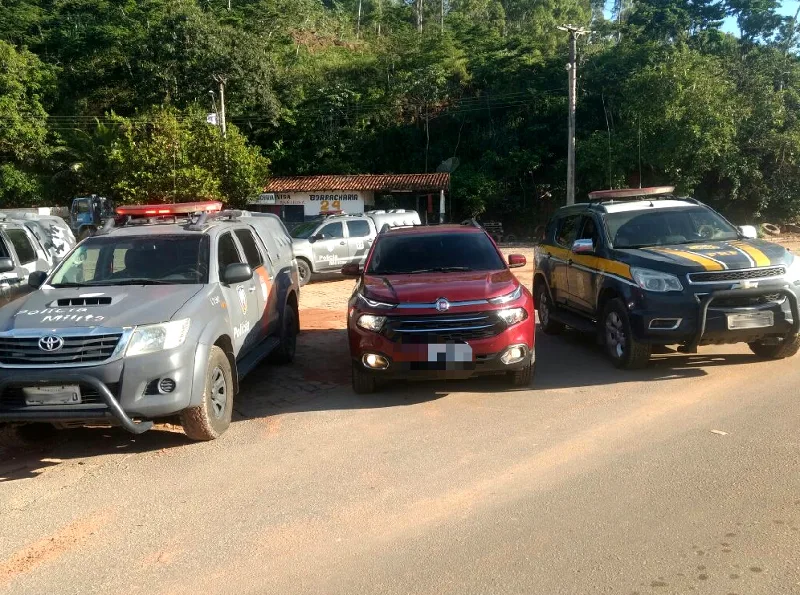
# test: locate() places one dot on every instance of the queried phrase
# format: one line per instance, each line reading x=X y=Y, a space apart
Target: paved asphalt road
x=593 y=481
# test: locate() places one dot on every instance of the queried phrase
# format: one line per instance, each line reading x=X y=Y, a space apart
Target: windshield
x=661 y=227
x=304 y=230
x=144 y=260
x=447 y=252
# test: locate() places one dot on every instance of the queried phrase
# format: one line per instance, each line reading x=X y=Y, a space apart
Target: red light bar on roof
x=183 y=208
x=630 y=192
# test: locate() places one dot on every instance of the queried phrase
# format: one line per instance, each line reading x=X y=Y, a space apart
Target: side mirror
x=237 y=273
x=583 y=247
x=351 y=270
x=516 y=260
x=748 y=232
x=36 y=279
x=6 y=265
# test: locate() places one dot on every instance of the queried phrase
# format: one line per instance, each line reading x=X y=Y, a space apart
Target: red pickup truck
x=439 y=302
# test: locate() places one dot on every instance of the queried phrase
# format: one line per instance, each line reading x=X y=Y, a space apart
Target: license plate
x=52 y=395
x=450 y=352
x=750 y=320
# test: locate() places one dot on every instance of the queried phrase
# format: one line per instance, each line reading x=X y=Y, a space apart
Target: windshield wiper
x=442 y=270
x=134 y=282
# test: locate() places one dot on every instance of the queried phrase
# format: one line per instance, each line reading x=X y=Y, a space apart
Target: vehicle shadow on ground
x=60 y=446
x=574 y=360
x=320 y=378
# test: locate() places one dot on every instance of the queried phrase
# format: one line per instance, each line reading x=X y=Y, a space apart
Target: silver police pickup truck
x=327 y=244
x=159 y=317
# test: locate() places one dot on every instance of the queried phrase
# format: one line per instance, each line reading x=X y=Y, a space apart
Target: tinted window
x=450 y=252
x=332 y=230
x=4 y=253
x=228 y=254
x=140 y=260
x=589 y=231
x=22 y=245
x=304 y=230
x=358 y=229
x=665 y=226
x=250 y=249
x=567 y=230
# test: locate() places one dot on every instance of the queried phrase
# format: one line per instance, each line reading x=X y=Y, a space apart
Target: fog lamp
x=514 y=354
x=375 y=361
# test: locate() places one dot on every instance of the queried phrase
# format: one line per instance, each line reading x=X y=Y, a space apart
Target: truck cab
x=89 y=213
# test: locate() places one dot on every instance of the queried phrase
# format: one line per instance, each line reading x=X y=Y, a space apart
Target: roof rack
x=651 y=193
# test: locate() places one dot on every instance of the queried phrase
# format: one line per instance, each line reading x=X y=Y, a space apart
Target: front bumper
x=410 y=361
x=117 y=392
x=703 y=318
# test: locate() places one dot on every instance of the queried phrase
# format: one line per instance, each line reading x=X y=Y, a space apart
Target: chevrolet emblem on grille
x=51 y=343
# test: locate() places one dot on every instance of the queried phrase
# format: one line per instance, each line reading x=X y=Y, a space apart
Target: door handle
x=341 y=243
x=252 y=289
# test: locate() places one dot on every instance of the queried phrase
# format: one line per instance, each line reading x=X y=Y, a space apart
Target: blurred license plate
x=52 y=395
x=750 y=320
x=450 y=352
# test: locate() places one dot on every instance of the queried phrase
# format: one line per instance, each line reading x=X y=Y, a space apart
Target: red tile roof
x=385 y=183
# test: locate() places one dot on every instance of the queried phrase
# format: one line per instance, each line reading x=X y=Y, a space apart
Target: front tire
x=787 y=347
x=521 y=378
x=212 y=417
x=363 y=383
x=304 y=271
x=624 y=350
x=544 y=307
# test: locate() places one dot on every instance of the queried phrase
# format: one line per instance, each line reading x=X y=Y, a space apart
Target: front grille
x=747 y=302
x=85 y=349
x=442 y=328
x=13 y=398
x=736 y=275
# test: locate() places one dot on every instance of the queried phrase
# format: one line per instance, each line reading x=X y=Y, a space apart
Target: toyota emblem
x=51 y=343
x=442 y=305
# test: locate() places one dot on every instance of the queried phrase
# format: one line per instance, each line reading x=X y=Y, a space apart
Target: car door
x=13 y=284
x=359 y=239
x=582 y=275
x=264 y=277
x=241 y=298
x=558 y=253
x=330 y=247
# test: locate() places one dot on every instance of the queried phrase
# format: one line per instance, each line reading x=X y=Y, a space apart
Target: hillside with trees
x=111 y=97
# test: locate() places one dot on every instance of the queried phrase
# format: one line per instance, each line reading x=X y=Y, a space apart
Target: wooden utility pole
x=574 y=31
x=223 y=125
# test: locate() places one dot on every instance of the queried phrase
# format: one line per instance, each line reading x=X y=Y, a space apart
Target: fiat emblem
x=442 y=305
x=51 y=343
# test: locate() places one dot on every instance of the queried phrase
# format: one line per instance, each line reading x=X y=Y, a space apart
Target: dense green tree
x=24 y=82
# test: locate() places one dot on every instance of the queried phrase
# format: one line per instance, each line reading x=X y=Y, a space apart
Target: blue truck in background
x=88 y=214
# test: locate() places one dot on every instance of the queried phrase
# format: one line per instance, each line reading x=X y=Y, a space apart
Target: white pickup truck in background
x=327 y=244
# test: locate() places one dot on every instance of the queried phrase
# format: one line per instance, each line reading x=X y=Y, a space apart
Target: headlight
x=374 y=303
x=509 y=297
x=656 y=280
x=793 y=270
x=513 y=315
x=157 y=337
x=370 y=322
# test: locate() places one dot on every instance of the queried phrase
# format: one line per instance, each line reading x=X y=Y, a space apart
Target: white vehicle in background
x=326 y=245
x=52 y=232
